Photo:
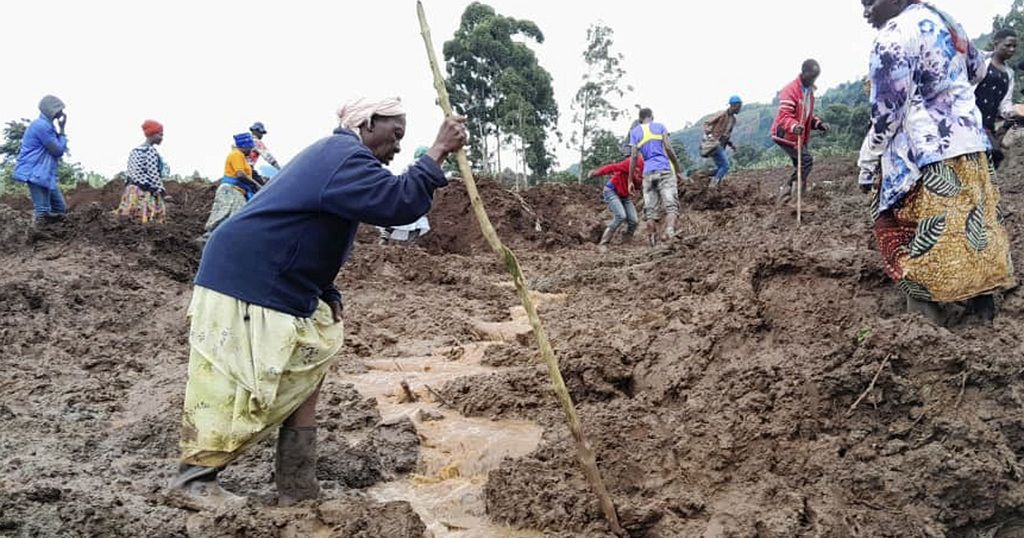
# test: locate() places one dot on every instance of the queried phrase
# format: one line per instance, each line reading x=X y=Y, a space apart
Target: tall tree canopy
x=592 y=104
x=497 y=83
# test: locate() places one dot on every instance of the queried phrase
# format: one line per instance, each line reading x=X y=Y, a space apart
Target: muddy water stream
x=456 y=451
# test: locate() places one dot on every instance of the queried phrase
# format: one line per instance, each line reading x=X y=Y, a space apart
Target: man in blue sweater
x=265 y=313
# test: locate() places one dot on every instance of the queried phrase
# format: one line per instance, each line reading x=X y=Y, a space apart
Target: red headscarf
x=152 y=127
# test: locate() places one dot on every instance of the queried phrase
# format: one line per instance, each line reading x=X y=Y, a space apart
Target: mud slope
x=716 y=376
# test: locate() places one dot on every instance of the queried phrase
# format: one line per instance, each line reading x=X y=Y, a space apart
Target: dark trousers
x=807 y=162
x=996 y=139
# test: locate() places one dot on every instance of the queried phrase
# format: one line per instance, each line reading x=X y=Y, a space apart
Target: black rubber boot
x=984 y=307
x=932 y=311
x=197 y=488
x=295 y=469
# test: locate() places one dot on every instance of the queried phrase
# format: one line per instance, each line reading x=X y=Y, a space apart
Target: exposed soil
x=716 y=376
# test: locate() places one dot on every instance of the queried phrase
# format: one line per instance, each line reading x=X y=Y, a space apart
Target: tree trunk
x=497 y=129
x=487 y=154
x=583 y=139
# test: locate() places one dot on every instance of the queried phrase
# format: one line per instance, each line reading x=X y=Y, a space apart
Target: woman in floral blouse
x=937 y=218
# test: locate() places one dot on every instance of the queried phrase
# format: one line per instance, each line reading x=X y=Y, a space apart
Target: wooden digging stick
x=584 y=452
x=799 y=180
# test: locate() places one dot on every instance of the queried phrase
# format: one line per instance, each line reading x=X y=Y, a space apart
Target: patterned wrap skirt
x=227 y=201
x=945 y=241
x=249 y=369
x=141 y=205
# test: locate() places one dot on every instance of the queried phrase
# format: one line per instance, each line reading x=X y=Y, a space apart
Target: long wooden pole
x=799 y=181
x=584 y=451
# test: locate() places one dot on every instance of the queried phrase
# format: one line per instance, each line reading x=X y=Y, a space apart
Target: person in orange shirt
x=236 y=187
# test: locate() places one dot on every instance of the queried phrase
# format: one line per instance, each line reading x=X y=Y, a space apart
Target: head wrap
x=258 y=127
x=151 y=127
x=354 y=114
x=735 y=100
x=50 y=106
x=244 y=141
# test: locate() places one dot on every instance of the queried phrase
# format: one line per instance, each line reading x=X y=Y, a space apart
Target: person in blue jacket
x=42 y=147
x=265 y=313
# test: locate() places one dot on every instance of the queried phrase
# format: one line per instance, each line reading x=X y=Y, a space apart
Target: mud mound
x=754 y=378
x=745 y=409
x=548 y=216
x=168 y=247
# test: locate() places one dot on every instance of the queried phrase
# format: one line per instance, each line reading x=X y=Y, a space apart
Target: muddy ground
x=716 y=376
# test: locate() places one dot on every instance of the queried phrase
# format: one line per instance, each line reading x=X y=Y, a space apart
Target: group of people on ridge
x=144 y=198
x=930 y=157
x=45 y=142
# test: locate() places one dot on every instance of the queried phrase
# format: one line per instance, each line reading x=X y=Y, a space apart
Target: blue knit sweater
x=284 y=249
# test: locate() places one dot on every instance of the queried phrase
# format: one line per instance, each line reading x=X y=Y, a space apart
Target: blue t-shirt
x=655 y=158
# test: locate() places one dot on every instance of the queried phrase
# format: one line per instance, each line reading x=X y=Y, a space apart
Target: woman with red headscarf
x=143 y=198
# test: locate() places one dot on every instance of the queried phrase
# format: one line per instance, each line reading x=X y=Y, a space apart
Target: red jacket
x=794 y=110
x=621 y=172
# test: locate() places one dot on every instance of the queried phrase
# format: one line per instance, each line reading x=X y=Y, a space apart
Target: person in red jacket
x=795 y=121
x=618 y=194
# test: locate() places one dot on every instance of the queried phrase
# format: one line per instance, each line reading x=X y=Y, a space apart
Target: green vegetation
x=495 y=81
x=592 y=105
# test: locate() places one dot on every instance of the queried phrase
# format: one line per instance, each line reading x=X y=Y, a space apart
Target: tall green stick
x=584 y=451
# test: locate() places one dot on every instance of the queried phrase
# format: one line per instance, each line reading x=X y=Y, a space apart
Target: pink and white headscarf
x=355 y=113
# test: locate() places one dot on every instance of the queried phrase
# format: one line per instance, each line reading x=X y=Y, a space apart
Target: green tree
x=497 y=83
x=605 y=148
x=601 y=82
x=685 y=161
x=746 y=156
x=14 y=131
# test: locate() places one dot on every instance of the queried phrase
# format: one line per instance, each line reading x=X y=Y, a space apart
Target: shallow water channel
x=456 y=451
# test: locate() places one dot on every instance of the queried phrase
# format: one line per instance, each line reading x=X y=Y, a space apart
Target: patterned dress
x=143 y=198
x=937 y=218
x=249 y=368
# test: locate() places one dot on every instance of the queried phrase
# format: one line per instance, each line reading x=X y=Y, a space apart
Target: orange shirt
x=236 y=162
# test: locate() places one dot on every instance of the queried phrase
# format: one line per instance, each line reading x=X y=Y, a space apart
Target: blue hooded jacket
x=284 y=249
x=41 y=150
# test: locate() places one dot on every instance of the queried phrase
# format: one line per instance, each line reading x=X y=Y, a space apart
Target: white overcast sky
x=208 y=69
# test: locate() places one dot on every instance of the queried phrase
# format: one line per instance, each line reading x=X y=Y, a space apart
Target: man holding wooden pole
x=793 y=125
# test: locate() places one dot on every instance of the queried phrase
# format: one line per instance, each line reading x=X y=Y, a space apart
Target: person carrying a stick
x=266 y=317
x=794 y=122
x=938 y=222
x=661 y=168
